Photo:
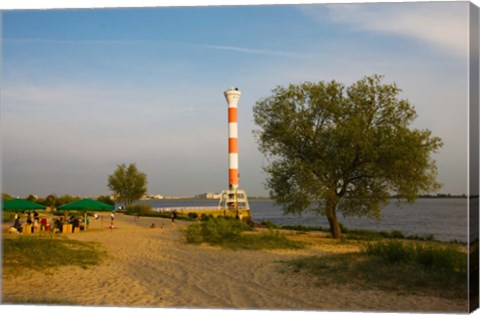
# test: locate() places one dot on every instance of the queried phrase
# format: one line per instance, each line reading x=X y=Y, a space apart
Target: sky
x=84 y=90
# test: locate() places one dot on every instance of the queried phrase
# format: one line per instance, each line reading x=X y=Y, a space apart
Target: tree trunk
x=332 y=220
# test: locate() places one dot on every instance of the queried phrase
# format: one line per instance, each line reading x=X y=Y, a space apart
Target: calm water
x=445 y=219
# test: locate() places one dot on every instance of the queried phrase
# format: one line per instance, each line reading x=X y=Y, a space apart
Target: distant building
x=149 y=197
x=211 y=195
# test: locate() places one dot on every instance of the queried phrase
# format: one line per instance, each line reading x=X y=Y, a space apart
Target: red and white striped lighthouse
x=233 y=199
x=232 y=96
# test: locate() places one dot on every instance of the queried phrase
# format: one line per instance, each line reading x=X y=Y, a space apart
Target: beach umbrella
x=18 y=204
x=87 y=204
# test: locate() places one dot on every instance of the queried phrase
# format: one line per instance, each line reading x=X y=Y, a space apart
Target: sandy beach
x=155 y=268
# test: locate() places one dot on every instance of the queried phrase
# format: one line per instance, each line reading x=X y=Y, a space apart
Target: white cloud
x=257 y=51
x=443 y=25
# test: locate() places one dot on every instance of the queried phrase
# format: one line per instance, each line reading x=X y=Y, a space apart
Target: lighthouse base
x=234 y=202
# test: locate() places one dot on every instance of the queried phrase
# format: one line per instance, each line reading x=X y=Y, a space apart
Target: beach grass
x=233 y=234
x=424 y=269
x=47 y=251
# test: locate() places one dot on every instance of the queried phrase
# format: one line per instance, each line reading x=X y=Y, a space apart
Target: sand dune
x=156 y=268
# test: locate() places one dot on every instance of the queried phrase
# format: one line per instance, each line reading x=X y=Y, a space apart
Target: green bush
x=206 y=217
x=228 y=232
x=397 y=234
x=138 y=209
x=193 y=233
x=268 y=224
x=391 y=251
x=220 y=230
x=434 y=257
x=192 y=215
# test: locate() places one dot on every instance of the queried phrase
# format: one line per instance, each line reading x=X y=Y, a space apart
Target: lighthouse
x=232 y=96
x=233 y=199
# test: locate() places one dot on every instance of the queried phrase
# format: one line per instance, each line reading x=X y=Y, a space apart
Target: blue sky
x=86 y=89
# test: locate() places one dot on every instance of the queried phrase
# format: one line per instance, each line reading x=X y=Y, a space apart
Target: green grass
x=434 y=270
x=40 y=252
x=234 y=234
x=35 y=301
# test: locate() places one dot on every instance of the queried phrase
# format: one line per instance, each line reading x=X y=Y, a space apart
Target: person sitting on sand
x=75 y=223
x=35 y=226
x=43 y=223
x=58 y=224
x=18 y=225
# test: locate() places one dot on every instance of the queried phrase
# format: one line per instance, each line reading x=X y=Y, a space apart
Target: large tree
x=127 y=183
x=334 y=150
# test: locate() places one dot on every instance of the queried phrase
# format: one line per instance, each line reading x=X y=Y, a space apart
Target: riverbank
x=155 y=267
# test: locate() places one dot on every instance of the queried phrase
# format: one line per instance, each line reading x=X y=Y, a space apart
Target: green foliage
x=205 y=217
x=343 y=149
x=31 y=198
x=128 y=183
x=139 y=209
x=221 y=230
x=40 y=252
x=435 y=257
x=403 y=268
x=230 y=233
x=269 y=224
x=302 y=228
x=106 y=199
x=51 y=201
x=6 y=197
x=192 y=215
x=397 y=234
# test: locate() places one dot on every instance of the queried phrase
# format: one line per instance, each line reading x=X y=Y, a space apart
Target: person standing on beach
x=112 y=219
x=174 y=216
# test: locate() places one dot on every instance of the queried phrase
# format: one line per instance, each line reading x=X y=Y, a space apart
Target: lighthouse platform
x=233 y=203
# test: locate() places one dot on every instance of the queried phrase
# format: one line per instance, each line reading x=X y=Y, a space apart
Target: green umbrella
x=20 y=205
x=87 y=204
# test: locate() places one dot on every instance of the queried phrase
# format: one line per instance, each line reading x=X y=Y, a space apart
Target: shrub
x=434 y=257
x=192 y=215
x=268 y=224
x=391 y=251
x=220 y=230
x=206 y=217
x=270 y=239
x=193 y=233
x=228 y=232
x=441 y=258
x=397 y=234
x=138 y=209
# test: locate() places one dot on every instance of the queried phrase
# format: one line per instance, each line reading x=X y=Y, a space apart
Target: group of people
x=33 y=222
x=42 y=224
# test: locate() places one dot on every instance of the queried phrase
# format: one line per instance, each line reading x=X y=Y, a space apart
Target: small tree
x=106 y=199
x=127 y=183
x=333 y=149
x=6 y=197
x=31 y=198
x=51 y=201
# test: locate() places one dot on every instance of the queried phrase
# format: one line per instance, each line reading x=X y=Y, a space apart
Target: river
x=445 y=219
